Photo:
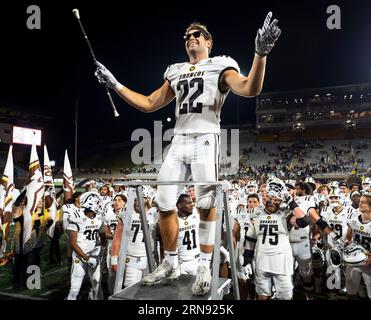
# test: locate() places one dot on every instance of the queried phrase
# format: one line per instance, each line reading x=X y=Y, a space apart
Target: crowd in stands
x=291 y=160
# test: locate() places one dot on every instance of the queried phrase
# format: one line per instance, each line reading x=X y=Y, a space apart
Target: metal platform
x=135 y=191
x=175 y=290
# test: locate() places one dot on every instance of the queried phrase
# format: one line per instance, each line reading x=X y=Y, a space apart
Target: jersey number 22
x=190 y=107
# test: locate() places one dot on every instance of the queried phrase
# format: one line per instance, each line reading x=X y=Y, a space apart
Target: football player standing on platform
x=200 y=87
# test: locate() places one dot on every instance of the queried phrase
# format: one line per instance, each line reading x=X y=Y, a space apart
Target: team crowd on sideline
x=275 y=253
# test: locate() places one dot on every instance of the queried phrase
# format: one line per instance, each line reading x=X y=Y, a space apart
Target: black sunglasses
x=196 y=34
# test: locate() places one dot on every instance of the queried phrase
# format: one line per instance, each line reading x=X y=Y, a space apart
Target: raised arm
x=156 y=100
x=249 y=86
x=252 y=84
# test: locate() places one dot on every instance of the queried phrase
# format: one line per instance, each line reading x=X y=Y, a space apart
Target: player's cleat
x=203 y=281
x=164 y=272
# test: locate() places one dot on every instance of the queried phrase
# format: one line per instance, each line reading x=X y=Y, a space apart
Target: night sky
x=46 y=70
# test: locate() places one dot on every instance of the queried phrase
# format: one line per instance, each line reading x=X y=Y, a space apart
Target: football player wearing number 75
x=200 y=87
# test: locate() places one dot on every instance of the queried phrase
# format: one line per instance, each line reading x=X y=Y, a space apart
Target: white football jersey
x=199 y=99
x=346 y=201
x=155 y=214
x=271 y=232
x=104 y=202
x=243 y=219
x=254 y=212
x=273 y=251
x=240 y=210
x=87 y=231
x=70 y=211
x=188 y=239
x=136 y=245
x=337 y=222
x=361 y=231
x=110 y=218
x=233 y=204
x=301 y=234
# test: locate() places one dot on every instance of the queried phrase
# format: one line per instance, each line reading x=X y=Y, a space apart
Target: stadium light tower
x=349 y=125
x=299 y=128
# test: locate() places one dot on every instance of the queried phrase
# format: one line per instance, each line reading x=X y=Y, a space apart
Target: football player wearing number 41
x=188 y=242
x=200 y=88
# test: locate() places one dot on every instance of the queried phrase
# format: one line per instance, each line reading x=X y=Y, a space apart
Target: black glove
x=248 y=255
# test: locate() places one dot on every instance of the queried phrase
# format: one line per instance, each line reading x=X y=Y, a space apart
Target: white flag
x=67 y=178
x=34 y=193
x=49 y=195
x=7 y=194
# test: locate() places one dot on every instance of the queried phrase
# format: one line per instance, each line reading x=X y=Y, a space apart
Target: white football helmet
x=147 y=192
x=355 y=255
x=334 y=198
x=276 y=188
x=251 y=187
x=309 y=179
x=236 y=186
x=320 y=198
x=333 y=184
x=91 y=201
x=290 y=182
x=366 y=184
x=227 y=185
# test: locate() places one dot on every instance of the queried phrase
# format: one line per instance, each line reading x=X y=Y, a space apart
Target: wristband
x=118 y=86
x=114 y=260
x=293 y=205
x=322 y=224
x=302 y=222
